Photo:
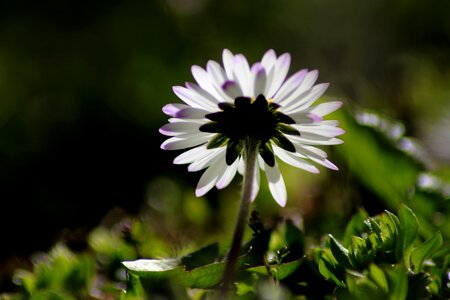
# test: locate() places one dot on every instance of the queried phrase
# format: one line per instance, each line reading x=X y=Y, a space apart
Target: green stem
x=250 y=156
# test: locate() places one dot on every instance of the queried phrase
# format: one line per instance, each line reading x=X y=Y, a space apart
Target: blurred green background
x=82 y=84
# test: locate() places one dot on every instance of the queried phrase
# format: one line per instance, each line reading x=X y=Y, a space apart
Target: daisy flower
x=232 y=103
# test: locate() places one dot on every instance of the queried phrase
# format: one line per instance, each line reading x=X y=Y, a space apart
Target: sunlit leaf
x=355 y=226
x=424 y=250
x=201 y=257
x=362 y=287
x=340 y=253
x=409 y=226
x=398 y=283
x=154 y=268
x=377 y=275
x=134 y=290
x=204 y=277
x=327 y=268
x=283 y=270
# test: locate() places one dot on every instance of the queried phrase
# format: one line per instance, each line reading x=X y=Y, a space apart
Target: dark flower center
x=256 y=120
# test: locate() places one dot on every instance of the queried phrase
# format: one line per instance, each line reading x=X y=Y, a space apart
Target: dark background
x=82 y=84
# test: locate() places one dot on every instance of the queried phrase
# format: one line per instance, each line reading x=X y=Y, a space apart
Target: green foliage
x=401 y=255
x=60 y=274
x=383 y=261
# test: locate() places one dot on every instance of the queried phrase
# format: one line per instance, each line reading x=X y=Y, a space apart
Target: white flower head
x=233 y=102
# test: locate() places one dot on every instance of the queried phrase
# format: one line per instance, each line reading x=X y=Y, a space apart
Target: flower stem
x=250 y=155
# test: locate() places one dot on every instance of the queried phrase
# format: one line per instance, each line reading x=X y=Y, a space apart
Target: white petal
x=269 y=59
x=259 y=74
x=216 y=72
x=306 y=99
x=290 y=86
x=276 y=184
x=228 y=175
x=179 y=120
x=232 y=89
x=191 y=113
x=323 y=130
x=191 y=155
x=210 y=177
x=325 y=162
x=312 y=139
x=316 y=155
x=204 y=81
x=218 y=77
x=174 y=129
x=192 y=99
x=203 y=94
x=305 y=117
x=256 y=182
x=281 y=69
x=310 y=151
x=326 y=108
x=241 y=166
x=306 y=84
x=242 y=75
x=329 y=123
x=210 y=158
x=293 y=159
x=173 y=108
x=187 y=141
x=228 y=63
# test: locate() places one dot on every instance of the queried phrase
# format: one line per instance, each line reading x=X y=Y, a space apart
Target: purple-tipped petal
x=306 y=99
x=290 y=86
x=232 y=89
x=269 y=59
x=280 y=71
x=295 y=160
x=173 y=108
x=228 y=63
x=260 y=78
x=178 y=128
x=322 y=130
x=326 y=108
x=242 y=74
x=187 y=141
x=192 y=99
x=306 y=84
x=191 y=113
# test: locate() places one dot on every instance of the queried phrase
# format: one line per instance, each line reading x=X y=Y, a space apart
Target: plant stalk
x=250 y=155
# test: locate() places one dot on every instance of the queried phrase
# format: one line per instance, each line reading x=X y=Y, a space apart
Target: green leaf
x=26 y=279
x=409 y=226
x=377 y=276
x=361 y=287
x=283 y=270
x=295 y=242
x=355 y=226
x=340 y=253
x=398 y=283
x=424 y=250
x=205 y=277
x=206 y=255
x=135 y=290
x=359 y=253
x=325 y=268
